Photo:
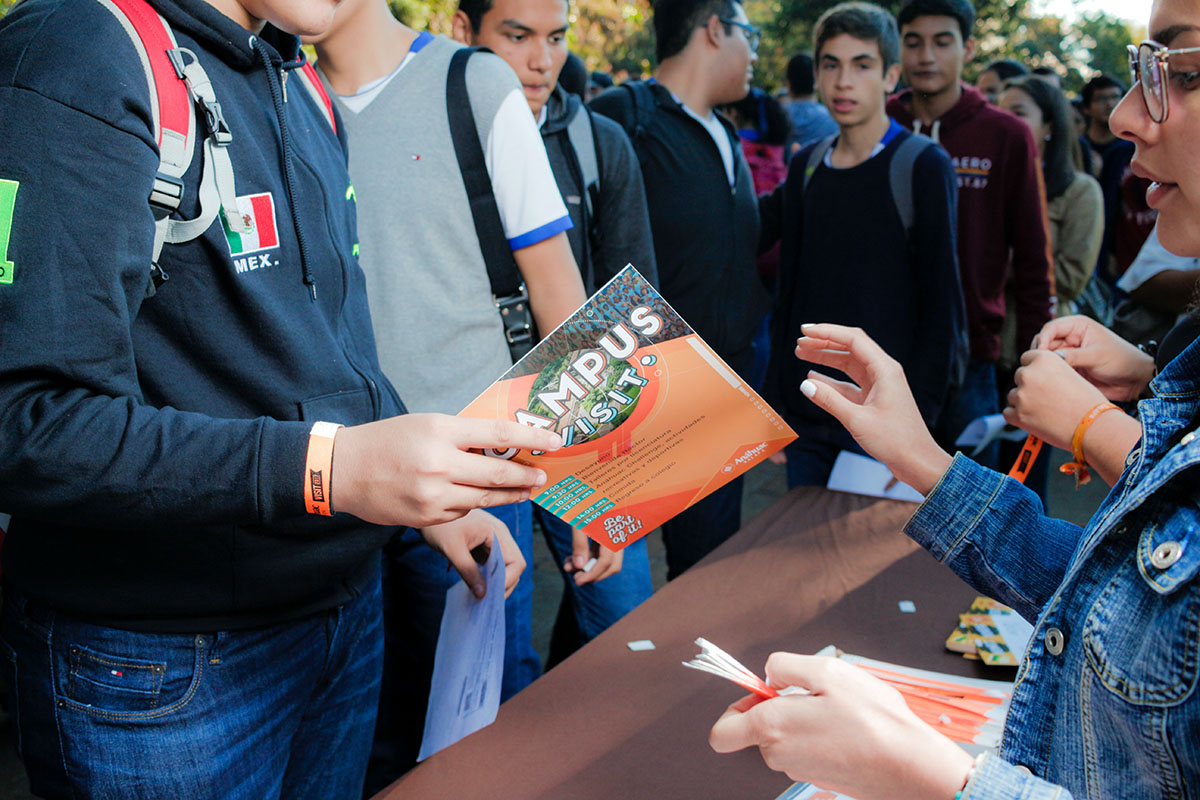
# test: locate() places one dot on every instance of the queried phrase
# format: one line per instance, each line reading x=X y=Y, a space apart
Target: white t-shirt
x=527 y=197
x=1152 y=259
x=719 y=135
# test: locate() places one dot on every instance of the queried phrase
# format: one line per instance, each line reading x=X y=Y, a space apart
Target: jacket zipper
x=289 y=170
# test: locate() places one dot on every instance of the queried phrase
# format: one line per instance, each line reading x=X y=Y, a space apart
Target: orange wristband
x=1028 y=455
x=318 y=469
x=1078 y=467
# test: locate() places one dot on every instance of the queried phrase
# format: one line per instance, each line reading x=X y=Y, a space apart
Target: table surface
x=816 y=568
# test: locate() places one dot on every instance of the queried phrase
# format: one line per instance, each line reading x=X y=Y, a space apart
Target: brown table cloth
x=816 y=568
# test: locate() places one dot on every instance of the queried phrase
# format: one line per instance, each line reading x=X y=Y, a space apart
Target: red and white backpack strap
x=177 y=83
x=312 y=83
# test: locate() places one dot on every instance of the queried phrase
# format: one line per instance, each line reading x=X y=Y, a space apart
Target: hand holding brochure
x=653 y=420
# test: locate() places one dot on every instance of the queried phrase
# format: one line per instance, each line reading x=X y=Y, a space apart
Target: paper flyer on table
x=861 y=475
x=806 y=791
x=464 y=694
x=654 y=420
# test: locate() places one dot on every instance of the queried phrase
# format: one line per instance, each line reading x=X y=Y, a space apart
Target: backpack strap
x=583 y=142
x=900 y=177
x=641 y=96
x=312 y=83
x=171 y=111
x=816 y=156
x=177 y=83
x=508 y=291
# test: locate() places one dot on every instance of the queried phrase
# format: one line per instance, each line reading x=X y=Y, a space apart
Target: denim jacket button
x=1054 y=641
x=1024 y=770
x=1166 y=554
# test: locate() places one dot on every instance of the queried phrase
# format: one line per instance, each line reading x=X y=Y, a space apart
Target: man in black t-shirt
x=900 y=284
x=703 y=212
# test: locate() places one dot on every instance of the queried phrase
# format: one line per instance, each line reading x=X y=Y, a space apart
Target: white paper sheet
x=464 y=695
x=861 y=475
x=980 y=433
x=1015 y=631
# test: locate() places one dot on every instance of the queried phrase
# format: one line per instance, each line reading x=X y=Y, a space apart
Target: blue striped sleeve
x=541 y=233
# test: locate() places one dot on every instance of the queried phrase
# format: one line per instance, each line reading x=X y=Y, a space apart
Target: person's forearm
x=552 y=280
x=1108 y=443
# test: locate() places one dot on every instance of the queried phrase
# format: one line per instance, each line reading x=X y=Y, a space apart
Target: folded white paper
x=464 y=695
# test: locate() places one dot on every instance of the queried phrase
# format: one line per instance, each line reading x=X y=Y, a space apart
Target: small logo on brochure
x=620 y=527
x=260 y=233
x=751 y=454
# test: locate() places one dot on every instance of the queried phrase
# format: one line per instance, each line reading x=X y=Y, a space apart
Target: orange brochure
x=652 y=418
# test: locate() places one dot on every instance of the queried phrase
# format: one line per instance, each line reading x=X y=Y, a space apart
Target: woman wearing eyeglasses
x=1106 y=703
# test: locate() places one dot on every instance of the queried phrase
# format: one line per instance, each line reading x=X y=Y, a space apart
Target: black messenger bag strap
x=508 y=291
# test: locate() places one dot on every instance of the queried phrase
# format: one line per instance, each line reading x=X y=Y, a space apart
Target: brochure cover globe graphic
x=597 y=413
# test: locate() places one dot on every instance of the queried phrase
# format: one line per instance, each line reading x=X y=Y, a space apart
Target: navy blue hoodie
x=152 y=450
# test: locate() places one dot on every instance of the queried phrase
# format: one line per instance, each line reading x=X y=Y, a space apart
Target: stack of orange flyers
x=653 y=420
x=970 y=711
x=716 y=661
x=967 y=710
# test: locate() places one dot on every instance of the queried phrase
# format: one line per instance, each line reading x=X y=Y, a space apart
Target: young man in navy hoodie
x=191 y=602
x=1002 y=227
x=901 y=283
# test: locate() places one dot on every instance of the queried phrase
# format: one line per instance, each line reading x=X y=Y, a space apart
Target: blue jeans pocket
x=145 y=679
x=114 y=683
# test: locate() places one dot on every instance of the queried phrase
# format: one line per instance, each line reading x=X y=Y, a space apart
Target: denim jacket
x=1104 y=705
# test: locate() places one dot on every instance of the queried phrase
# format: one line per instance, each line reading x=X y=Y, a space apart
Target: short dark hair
x=1058 y=159
x=1006 y=69
x=800 y=74
x=601 y=79
x=476 y=9
x=1096 y=84
x=961 y=10
x=1049 y=71
x=864 y=21
x=674 y=21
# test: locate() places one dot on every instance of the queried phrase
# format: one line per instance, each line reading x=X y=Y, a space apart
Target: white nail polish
x=808 y=388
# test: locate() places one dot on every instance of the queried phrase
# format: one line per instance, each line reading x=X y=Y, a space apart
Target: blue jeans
x=284 y=711
x=975 y=398
x=415 y=580
x=596 y=606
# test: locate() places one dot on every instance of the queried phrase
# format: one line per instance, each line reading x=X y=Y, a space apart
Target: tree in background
x=615 y=35
x=1005 y=29
x=610 y=35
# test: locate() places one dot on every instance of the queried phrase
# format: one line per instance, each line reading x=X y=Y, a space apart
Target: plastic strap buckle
x=200 y=88
x=166 y=195
x=515 y=314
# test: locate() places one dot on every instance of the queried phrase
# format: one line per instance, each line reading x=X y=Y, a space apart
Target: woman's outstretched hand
x=878 y=408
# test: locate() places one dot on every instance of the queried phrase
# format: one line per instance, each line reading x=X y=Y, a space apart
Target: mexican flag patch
x=258 y=214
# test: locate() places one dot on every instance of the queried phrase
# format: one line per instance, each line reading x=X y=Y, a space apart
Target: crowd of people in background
x=878 y=190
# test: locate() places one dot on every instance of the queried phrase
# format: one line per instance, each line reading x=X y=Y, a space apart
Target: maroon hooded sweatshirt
x=1001 y=215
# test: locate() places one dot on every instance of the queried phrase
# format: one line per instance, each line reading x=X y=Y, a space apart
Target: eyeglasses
x=1148 y=66
x=753 y=34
